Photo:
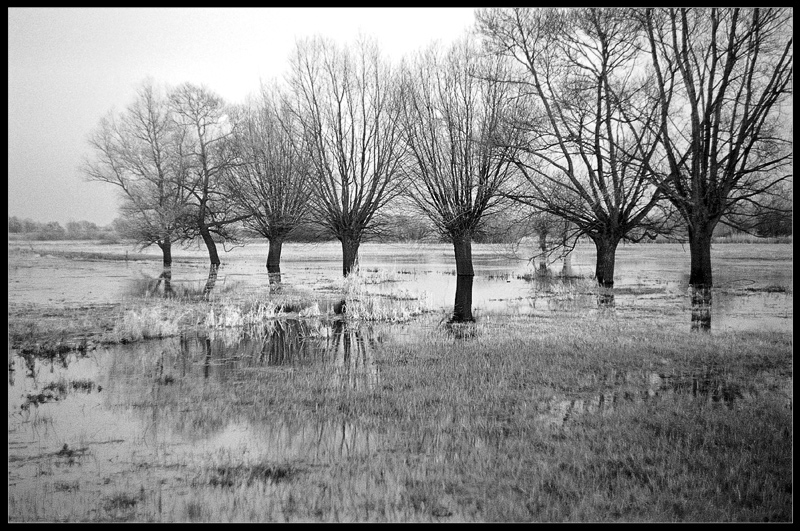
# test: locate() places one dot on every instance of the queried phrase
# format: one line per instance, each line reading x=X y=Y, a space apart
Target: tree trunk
x=566 y=254
x=349 y=253
x=700 y=280
x=462 y=310
x=701 y=308
x=566 y=268
x=274 y=262
x=213 y=256
x=604 y=270
x=166 y=275
x=212 y=280
x=207 y=364
x=465 y=274
x=543 y=253
x=463 y=249
x=166 y=249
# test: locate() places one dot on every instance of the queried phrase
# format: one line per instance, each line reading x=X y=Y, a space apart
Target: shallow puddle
x=707 y=384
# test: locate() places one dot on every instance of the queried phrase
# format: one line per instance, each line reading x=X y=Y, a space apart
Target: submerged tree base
x=275 y=285
x=462 y=330
x=605 y=297
x=462 y=310
x=166 y=277
x=213 y=271
x=701 y=308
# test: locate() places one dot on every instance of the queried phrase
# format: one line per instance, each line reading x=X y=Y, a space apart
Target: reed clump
x=394 y=306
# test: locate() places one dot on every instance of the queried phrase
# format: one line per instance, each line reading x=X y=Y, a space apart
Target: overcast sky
x=68 y=67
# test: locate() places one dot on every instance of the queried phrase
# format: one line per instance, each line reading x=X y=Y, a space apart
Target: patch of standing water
x=707 y=384
x=165 y=414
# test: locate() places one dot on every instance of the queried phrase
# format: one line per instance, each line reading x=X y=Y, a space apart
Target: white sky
x=68 y=67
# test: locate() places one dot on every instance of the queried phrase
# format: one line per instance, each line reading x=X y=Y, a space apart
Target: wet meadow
x=266 y=403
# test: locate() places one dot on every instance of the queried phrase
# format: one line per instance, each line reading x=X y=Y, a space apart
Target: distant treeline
x=396 y=228
x=52 y=230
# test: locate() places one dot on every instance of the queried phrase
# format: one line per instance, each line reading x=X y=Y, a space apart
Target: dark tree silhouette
x=724 y=79
x=347 y=102
x=140 y=151
x=454 y=120
x=587 y=145
x=270 y=180
x=211 y=213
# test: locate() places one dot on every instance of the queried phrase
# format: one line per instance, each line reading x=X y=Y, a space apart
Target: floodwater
x=163 y=416
x=753 y=283
x=171 y=413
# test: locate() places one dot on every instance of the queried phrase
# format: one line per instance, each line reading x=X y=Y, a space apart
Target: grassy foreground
x=565 y=418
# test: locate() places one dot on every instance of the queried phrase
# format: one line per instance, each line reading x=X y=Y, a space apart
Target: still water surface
x=648 y=277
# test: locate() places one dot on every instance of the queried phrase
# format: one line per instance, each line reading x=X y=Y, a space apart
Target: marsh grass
x=181 y=290
x=56 y=331
x=395 y=306
x=475 y=428
x=146 y=323
x=150 y=317
x=481 y=403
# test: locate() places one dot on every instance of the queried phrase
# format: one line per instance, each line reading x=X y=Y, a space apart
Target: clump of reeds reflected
x=146 y=323
x=395 y=306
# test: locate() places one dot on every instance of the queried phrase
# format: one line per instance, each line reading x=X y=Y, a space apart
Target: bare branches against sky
x=68 y=67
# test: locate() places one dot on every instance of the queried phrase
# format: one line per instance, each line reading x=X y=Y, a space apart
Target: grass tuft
x=145 y=323
x=395 y=306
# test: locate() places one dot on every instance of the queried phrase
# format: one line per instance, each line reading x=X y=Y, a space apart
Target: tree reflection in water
x=701 y=308
x=353 y=349
x=347 y=347
x=166 y=277
x=275 y=282
x=213 y=270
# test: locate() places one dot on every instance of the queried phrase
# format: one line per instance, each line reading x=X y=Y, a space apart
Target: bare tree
x=454 y=120
x=555 y=235
x=346 y=101
x=724 y=80
x=587 y=145
x=139 y=150
x=270 y=181
x=207 y=126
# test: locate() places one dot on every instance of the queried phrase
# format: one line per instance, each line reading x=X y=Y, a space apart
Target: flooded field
x=319 y=418
x=753 y=282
